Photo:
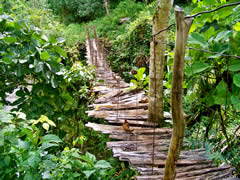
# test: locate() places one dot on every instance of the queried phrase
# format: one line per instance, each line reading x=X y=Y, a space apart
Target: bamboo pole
x=182 y=29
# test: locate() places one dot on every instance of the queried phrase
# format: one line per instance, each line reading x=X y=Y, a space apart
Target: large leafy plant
x=28 y=152
x=212 y=75
x=33 y=65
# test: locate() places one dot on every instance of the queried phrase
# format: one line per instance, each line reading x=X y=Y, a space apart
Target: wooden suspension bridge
x=142 y=145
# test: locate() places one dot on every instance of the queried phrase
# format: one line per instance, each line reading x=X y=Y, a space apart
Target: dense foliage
x=212 y=79
x=27 y=151
x=77 y=10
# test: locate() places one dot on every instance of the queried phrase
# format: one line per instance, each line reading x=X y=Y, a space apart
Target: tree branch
x=220 y=7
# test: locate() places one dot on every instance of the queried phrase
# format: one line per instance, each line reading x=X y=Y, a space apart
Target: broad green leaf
x=88 y=173
x=221 y=93
x=236 y=79
x=5 y=116
x=223 y=35
x=234 y=67
x=10 y=39
x=23 y=144
x=45 y=126
x=88 y=157
x=60 y=51
x=28 y=176
x=50 y=138
x=44 y=55
x=6 y=60
x=47 y=145
x=102 y=164
x=237 y=26
x=199 y=67
x=196 y=38
x=209 y=33
x=34 y=159
x=235 y=102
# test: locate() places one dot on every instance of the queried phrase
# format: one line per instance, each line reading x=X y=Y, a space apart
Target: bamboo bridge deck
x=146 y=147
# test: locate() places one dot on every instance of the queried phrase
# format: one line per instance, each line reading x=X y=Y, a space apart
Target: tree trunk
x=182 y=29
x=157 y=50
x=106 y=7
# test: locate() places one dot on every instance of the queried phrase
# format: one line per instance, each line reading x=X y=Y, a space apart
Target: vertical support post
x=157 y=59
x=90 y=45
x=182 y=28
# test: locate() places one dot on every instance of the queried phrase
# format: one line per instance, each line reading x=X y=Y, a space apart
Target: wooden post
x=182 y=28
x=157 y=59
x=90 y=45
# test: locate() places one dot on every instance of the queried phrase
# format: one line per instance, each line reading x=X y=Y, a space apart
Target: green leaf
x=47 y=145
x=196 y=38
x=199 y=67
x=235 y=101
x=19 y=70
x=10 y=39
x=223 y=35
x=88 y=173
x=6 y=60
x=44 y=55
x=237 y=26
x=54 y=82
x=140 y=73
x=102 y=164
x=45 y=126
x=34 y=159
x=39 y=67
x=60 y=51
x=236 y=79
x=1 y=137
x=88 y=157
x=50 y=138
x=234 y=67
x=22 y=144
x=60 y=40
x=5 y=116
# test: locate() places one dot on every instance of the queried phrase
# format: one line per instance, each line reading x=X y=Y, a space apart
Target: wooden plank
x=130 y=106
x=132 y=122
x=137 y=130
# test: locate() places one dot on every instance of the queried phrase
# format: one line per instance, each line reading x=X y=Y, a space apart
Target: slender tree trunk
x=106 y=7
x=157 y=50
x=182 y=29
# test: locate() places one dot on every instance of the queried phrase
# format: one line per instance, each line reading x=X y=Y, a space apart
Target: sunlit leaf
x=237 y=26
x=44 y=55
x=45 y=126
x=50 y=138
x=60 y=51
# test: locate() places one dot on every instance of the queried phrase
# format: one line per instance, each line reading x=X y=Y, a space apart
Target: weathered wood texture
x=182 y=29
x=115 y=103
